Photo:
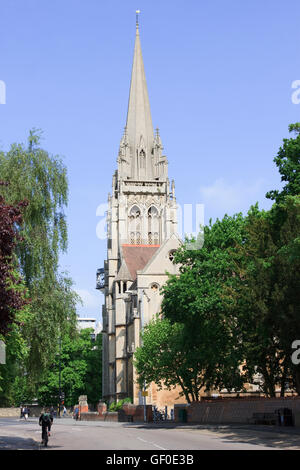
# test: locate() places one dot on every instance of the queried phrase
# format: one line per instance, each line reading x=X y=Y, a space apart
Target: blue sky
x=219 y=77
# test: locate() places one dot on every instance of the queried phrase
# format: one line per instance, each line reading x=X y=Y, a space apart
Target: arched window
x=142 y=159
x=153 y=226
x=134 y=225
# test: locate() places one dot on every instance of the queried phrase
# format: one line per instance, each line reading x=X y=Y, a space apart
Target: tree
x=13 y=374
x=206 y=338
x=12 y=297
x=164 y=359
x=237 y=299
x=41 y=179
x=288 y=163
x=81 y=371
x=269 y=296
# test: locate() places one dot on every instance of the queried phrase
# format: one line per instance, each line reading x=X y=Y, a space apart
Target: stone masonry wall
x=9 y=412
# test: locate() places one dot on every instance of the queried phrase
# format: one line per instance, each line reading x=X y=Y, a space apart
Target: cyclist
x=45 y=421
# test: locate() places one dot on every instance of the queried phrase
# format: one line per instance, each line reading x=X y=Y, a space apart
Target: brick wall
x=236 y=410
x=128 y=410
x=137 y=412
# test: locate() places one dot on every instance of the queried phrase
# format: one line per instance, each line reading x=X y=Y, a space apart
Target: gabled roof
x=124 y=274
x=158 y=253
x=137 y=256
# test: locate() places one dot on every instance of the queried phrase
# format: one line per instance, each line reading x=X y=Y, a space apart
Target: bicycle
x=45 y=437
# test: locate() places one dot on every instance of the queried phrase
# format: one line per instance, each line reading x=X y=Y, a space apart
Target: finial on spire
x=137 y=17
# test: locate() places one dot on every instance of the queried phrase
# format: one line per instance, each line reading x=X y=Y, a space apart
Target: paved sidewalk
x=214 y=427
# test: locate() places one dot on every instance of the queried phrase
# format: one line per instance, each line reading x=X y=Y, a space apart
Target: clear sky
x=219 y=77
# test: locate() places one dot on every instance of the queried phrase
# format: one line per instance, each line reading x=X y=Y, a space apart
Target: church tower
x=141 y=236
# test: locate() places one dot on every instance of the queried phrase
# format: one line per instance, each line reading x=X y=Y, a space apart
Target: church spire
x=139 y=122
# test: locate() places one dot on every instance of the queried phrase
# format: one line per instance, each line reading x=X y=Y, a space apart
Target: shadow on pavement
x=265 y=436
x=17 y=443
x=262 y=438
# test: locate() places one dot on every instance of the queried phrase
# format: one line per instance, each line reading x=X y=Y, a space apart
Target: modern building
x=83 y=323
x=142 y=237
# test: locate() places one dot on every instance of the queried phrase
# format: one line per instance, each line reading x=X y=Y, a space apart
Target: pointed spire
x=139 y=121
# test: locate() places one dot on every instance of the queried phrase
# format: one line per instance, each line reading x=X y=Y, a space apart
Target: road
x=67 y=434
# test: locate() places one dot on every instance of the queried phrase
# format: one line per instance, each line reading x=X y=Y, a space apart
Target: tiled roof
x=137 y=256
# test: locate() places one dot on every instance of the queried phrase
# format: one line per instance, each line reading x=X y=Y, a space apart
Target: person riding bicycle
x=45 y=421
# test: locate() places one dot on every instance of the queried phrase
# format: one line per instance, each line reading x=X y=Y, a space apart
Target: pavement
x=67 y=434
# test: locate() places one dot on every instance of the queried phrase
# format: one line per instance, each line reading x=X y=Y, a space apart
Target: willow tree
x=41 y=179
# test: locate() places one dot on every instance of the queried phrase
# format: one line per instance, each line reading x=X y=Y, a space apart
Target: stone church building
x=141 y=240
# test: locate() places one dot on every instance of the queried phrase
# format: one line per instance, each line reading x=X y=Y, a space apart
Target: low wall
x=9 y=412
x=236 y=410
x=129 y=412
x=34 y=411
x=137 y=412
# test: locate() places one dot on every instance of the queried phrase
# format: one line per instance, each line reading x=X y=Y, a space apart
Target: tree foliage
x=81 y=370
x=288 y=164
x=41 y=179
x=35 y=176
x=197 y=343
x=232 y=312
x=12 y=297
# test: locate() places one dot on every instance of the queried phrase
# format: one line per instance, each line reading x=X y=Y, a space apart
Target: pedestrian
x=65 y=411
x=26 y=412
x=76 y=413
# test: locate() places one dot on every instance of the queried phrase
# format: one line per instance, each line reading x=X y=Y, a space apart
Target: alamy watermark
x=296 y=354
x=190 y=225
x=2 y=353
x=2 y=92
x=296 y=93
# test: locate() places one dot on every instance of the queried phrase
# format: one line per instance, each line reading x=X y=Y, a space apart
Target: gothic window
x=134 y=226
x=153 y=226
x=142 y=159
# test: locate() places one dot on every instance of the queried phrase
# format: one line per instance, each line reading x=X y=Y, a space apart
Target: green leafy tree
x=164 y=359
x=269 y=298
x=81 y=370
x=288 y=163
x=197 y=328
x=41 y=179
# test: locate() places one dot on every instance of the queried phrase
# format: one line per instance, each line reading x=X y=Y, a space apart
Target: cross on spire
x=137 y=17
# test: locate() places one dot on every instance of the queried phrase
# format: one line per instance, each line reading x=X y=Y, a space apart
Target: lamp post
x=59 y=377
x=142 y=322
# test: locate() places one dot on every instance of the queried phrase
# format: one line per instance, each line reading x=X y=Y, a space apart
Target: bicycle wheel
x=45 y=437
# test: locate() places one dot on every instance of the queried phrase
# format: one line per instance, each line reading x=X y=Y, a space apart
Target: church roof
x=124 y=274
x=137 y=256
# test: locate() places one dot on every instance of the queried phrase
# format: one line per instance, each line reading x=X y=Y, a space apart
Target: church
x=141 y=241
